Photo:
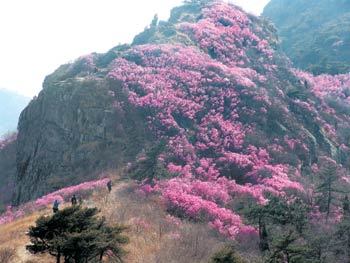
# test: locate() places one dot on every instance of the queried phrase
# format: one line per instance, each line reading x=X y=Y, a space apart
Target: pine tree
x=346 y=206
x=278 y=212
x=327 y=187
x=342 y=233
x=149 y=167
x=154 y=22
x=287 y=250
x=77 y=235
x=297 y=214
x=226 y=255
x=257 y=215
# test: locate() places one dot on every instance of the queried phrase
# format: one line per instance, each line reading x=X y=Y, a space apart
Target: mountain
x=203 y=109
x=314 y=34
x=11 y=105
x=7 y=169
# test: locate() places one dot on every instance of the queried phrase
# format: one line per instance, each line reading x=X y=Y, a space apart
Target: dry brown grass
x=7 y=255
x=152 y=237
x=13 y=236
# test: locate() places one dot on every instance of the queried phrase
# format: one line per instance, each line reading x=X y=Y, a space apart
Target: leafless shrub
x=7 y=254
x=192 y=243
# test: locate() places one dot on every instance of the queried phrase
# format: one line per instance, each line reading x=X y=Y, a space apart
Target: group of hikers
x=74 y=199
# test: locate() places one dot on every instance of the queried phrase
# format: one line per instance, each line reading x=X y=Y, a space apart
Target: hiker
x=74 y=200
x=55 y=206
x=109 y=186
x=80 y=200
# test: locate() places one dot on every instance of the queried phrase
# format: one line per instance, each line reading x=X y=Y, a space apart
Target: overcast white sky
x=39 y=35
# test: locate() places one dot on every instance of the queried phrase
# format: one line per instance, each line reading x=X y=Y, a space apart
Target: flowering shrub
x=60 y=195
x=214 y=104
x=324 y=85
x=225 y=32
x=334 y=95
x=10 y=215
x=199 y=102
x=67 y=192
x=182 y=199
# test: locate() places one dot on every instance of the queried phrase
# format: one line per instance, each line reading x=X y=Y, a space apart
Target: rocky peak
x=213 y=87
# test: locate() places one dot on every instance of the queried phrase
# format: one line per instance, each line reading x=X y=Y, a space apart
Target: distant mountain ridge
x=314 y=34
x=11 y=105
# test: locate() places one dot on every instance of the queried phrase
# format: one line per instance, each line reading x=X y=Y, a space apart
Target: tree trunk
x=288 y=259
x=58 y=258
x=329 y=201
x=196 y=245
x=260 y=228
x=263 y=244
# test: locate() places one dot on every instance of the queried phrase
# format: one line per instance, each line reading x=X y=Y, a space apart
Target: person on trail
x=55 y=206
x=80 y=200
x=109 y=186
x=74 y=200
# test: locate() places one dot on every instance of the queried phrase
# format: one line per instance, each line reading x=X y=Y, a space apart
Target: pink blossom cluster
x=292 y=143
x=227 y=33
x=325 y=85
x=146 y=189
x=67 y=192
x=180 y=81
x=195 y=103
x=181 y=197
x=13 y=213
x=333 y=94
x=10 y=215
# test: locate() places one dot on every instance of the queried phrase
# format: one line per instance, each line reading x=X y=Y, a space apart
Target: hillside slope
x=155 y=236
x=205 y=108
x=314 y=34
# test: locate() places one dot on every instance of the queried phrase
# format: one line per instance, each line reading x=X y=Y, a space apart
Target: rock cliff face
x=211 y=84
x=7 y=172
x=71 y=132
x=314 y=34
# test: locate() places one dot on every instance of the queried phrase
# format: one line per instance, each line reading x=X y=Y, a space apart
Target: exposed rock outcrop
x=7 y=173
x=71 y=132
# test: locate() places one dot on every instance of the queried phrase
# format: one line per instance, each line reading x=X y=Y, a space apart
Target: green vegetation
x=226 y=255
x=77 y=235
x=327 y=187
x=149 y=166
x=314 y=34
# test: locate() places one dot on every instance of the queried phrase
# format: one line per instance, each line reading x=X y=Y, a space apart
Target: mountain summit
x=204 y=107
